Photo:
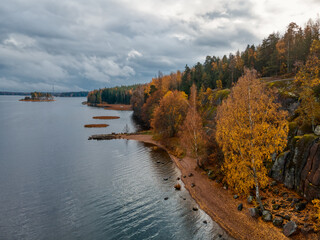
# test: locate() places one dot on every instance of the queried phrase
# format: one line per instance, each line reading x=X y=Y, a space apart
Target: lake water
x=56 y=184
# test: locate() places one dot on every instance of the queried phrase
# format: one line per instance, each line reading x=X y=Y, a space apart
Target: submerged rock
x=240 y=207
x=166 y=198
x=177 y=186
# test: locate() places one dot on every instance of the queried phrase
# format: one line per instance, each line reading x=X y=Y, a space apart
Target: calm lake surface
x=56 y=184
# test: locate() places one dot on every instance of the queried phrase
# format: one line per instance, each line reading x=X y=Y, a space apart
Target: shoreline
x=107 y=106
x=218 y=202
x=33 y=100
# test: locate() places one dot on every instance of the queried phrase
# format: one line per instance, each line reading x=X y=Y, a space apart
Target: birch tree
x=250 y=128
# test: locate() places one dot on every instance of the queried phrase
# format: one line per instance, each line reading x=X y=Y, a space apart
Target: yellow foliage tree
x=316 y=204
x=192 y=134
x=170 y=114
x=219 y=84
x=309 y=77
x=250 y=128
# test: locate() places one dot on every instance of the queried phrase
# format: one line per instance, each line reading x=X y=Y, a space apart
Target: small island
x=38 y=97
x=96 y=125
x=106 y=117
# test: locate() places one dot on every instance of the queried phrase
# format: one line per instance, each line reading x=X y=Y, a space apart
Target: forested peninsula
x=250 y=121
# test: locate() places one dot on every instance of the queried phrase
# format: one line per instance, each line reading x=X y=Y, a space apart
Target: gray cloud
x=82 y=45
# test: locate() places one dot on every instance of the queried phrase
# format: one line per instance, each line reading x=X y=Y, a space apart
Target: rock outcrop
x=299 y=167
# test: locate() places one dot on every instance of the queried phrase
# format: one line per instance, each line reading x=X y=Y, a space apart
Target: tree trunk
x=198 y=163
x=257 y=189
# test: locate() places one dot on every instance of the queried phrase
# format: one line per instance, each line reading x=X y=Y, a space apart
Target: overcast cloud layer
x=83 y=45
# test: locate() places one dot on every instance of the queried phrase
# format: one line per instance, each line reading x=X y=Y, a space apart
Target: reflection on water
x=55 y=184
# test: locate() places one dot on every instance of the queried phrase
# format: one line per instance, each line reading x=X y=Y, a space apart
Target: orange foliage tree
x=192 y=134
x=170 y=113
x=308 y=77
x=250 y=128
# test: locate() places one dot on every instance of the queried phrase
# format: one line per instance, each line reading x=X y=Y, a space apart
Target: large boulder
x=290 y=229
x=299 y=167
x=310 y=175
x=277 y=170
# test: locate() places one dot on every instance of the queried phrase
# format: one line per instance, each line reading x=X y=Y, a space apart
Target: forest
x=241 y=103
x=278 y=56
x=119 y=94
x=240 y=117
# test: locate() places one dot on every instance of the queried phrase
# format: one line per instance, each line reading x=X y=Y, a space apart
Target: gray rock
x=317 y=130
x=290 y=229
x=240 y=207
x=273 y=183
x=296 y=200
x=266 y=216
x=275 y=206
x=250 y=199
x=278 y=167
x=254 y=212
x=277 y=221
x=195 y=209
x=235 y=196
x=293 y=167
x=300 y=206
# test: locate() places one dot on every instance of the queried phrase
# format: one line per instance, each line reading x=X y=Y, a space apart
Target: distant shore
x=35 y=100
x=107 y=106
x=218 y=202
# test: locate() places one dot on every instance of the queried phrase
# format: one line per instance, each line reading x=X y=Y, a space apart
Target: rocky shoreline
x=230 y=212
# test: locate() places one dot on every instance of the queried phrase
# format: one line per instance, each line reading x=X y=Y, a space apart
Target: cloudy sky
x=88 y=44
